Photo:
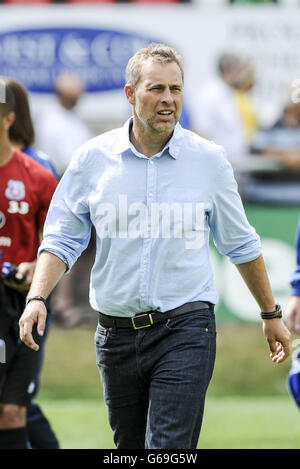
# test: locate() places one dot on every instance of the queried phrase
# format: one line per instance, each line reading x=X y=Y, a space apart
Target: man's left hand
x=278 y=337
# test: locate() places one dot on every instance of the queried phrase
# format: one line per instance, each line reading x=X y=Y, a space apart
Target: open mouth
x=165 y=113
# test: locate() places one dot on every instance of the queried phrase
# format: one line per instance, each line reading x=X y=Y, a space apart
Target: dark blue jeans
x=155 y=380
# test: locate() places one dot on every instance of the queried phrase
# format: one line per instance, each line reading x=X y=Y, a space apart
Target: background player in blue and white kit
x=293 y=317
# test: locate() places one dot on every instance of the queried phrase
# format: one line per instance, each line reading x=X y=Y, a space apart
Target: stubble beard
x=149 y=125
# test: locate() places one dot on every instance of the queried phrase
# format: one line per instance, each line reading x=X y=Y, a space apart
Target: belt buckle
x=140 y=316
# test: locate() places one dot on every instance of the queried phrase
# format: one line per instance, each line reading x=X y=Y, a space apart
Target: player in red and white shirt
x=26 y=189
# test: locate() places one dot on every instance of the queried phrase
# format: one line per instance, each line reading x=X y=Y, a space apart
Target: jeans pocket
x=101 y=336
x=195 y=320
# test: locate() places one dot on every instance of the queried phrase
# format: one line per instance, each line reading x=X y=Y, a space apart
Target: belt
x=141 y=320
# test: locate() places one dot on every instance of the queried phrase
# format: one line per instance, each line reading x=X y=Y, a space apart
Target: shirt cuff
x=69 y=262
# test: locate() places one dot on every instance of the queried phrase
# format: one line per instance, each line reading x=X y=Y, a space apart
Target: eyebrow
x=162 y=85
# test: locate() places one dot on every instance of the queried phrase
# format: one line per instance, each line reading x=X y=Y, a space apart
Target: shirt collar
x=172 y=147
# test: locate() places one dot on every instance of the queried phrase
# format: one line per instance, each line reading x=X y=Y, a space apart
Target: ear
x=130 y=94
x=8 y=120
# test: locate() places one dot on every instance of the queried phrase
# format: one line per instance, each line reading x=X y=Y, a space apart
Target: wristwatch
x=38 y=298
x=273 y=314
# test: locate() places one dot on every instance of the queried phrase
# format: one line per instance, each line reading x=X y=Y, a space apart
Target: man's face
x=157 y=98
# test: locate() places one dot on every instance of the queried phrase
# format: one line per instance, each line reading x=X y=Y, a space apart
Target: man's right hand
x=34 y=313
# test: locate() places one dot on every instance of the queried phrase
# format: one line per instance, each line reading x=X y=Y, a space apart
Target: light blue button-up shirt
x=152 y=218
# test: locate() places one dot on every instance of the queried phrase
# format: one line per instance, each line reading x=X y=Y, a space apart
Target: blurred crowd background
x=242 y=90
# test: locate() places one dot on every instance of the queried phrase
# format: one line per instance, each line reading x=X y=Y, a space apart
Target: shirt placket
x=145 y=293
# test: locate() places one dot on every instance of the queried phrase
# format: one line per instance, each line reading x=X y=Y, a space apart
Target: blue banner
x=98 y=56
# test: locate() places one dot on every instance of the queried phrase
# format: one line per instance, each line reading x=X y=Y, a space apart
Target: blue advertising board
x=98 y=56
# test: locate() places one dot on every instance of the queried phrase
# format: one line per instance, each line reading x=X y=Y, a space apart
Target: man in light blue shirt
x=153 y=192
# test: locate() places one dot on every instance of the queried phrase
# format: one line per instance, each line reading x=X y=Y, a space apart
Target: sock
x=40 y=433
x=13 y=438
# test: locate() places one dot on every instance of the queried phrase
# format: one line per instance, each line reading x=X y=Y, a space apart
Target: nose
x=166 y=96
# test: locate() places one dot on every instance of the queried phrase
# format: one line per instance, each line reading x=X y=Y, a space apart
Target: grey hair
x=155 y=52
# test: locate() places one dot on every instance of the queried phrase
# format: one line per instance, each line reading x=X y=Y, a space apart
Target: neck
x=6 y=151
x=17 y=145
x=146 y=142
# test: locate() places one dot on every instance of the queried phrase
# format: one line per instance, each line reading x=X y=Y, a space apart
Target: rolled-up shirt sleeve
x=67 y=228
x=232 y=234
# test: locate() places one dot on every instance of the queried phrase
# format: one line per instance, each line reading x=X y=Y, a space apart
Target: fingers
x=41 y=325
x=278 y=337
x=277 y=355
x=22 y=272
x=33 y=314
x=26 y=333
x=20 y=275
x=25 y=272
x=279 y=351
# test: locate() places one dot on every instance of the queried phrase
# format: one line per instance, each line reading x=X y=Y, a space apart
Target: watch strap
x=273 y=314
x=37 y=298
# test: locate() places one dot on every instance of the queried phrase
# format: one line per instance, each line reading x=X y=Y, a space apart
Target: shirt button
x=142 y=295
x=148 y=228
x=150 y=194
x=151 y=161
x=144 y=261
